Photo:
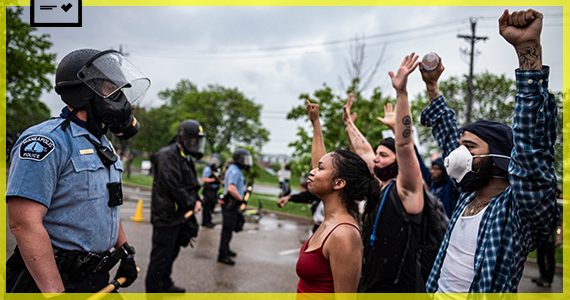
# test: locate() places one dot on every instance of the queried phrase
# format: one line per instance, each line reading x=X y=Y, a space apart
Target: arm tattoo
x=407 y=121
x=530 y=58
x=433 y=94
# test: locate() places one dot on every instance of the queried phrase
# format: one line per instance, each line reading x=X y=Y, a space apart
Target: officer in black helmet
x=234 y=190
x=211 y=180
x=174 y=193
x=64 y=188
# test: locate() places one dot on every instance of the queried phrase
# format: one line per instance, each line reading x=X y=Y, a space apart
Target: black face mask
x=244 y=167
x=388 y=172
x=116 y=113
x=473 y=181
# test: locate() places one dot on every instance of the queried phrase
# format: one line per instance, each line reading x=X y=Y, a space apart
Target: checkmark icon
x=66 y=7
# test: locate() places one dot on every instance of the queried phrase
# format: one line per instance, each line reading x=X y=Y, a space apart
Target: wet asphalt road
x=267 y=249
x=267 y=253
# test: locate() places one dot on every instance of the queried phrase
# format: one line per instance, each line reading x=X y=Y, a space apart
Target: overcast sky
x=274 y=54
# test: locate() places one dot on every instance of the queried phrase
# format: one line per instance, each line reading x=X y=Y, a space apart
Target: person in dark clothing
x=441 y=185
x=211 y=180
x=545 y=255
x=234 y=191
x=387 y=267
x=436 y=178
x=174 y=192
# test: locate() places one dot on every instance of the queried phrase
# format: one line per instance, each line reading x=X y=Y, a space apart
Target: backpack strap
x=373 y=236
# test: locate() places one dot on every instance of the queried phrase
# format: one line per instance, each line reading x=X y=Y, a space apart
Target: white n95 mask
x=460 y=162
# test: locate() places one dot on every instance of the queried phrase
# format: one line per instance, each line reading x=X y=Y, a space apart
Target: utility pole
x=471 y=39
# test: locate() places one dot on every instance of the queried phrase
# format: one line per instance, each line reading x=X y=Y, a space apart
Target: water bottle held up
x=430 y=62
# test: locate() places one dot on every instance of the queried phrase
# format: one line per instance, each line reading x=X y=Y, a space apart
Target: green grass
x=557 y=255
x=137 y=161
x=273 y=181
x=139 y=179
x=270 y=203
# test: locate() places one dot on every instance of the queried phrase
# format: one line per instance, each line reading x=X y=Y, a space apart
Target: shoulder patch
x=36 y=147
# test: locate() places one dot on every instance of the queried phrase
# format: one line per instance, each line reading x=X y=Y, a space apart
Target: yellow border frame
x=219 y=296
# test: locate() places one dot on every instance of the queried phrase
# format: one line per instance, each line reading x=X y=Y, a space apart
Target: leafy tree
x=276 y=167
x=226 y=115
x=27 y=64
x=157 y=128
x=301 y=164
x=331 y=120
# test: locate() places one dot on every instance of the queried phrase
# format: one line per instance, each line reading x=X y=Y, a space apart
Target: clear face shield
x=194 y=146
x=248 y=160
x=110 y=72
x=201 y=145
x=215 y=160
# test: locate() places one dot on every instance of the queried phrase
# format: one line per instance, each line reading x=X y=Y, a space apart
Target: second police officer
x=211 y=180
x=234 y=190
x=64 y=189
x=174 y=193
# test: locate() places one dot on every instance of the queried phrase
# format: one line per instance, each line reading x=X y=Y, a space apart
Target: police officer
x=211 y=180
x=174 y=193
x=64 y=188
x=234 y=189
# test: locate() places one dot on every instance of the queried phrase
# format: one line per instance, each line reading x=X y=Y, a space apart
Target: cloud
x=273 y=54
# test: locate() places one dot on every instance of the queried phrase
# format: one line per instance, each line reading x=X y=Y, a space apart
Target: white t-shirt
x=458 y=267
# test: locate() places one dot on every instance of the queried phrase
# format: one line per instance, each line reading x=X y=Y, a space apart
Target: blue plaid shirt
x=522 y=216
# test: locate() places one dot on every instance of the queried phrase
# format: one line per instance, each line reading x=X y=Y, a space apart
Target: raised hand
x=400 y=80
x=435 y=156
x=389 y=116
x=522 y=30
x=521 y=27
x=431 y=77
x=313 y=111
x=346 y=110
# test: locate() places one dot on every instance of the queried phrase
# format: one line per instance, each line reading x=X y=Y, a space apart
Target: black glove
x=127 y=269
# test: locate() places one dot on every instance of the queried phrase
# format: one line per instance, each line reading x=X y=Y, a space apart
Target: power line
x=253 y=55
x=234 y=54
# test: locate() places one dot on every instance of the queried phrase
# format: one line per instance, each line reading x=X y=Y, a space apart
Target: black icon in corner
x=56 y=13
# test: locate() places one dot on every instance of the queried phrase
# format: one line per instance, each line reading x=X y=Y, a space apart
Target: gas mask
x=194 y=146
x=459 y=166
x=116 y=83
x=191 y=137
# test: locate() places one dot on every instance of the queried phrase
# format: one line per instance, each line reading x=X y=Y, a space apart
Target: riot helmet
x=242 y=158
x=104 y=84
x=215 y=161
x=190 y=135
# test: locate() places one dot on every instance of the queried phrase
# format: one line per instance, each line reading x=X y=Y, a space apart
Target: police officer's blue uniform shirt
x=207 y=172
x=61 y=170
x=234 y=176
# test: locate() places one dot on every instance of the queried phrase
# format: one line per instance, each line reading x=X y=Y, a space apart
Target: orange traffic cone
x=139 y=213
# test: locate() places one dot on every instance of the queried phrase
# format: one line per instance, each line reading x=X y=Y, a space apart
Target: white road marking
x=287 y=252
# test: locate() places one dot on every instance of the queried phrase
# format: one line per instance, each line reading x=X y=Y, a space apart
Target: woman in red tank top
x=330 y=261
